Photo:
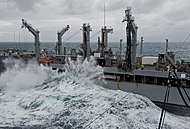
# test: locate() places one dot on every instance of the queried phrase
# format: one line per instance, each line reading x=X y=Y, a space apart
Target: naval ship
x=152 y=77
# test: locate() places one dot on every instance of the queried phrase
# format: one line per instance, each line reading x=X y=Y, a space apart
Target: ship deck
x=151 y=84
x=144 y=76
x=155 y=93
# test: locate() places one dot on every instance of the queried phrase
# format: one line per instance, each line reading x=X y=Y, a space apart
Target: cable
x=186 y=93
x=165 y=106
x=163 y=113
x=71 y=36
x=110 y=108
x=179 y=90
x=181 y=94
x=95 y=34
x=76 y=34
x=183 y=43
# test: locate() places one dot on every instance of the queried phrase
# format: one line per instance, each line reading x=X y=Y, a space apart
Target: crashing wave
x=34 y=96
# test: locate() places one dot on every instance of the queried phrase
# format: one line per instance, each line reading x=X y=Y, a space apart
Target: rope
x=110 y=107
x=76 y=34
x=163 y=113
x=167 y=97
x=95 y=34
x=186 y=93
x=71 y=36
x=165 y=106
x=179 y=90
x=181 y=94
x=183 y=43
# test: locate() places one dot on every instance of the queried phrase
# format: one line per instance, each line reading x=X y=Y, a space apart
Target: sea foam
x=72 y=100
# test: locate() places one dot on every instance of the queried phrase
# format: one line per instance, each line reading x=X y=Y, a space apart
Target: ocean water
x=34 y=96
x=181 y=49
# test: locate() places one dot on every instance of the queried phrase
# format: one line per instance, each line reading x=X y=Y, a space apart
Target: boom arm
x=62 y=32
x=35 y=32
x=59 y=42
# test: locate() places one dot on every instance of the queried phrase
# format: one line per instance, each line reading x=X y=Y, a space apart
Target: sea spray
x=84 y=70
x=72 y=100
x=20 y=75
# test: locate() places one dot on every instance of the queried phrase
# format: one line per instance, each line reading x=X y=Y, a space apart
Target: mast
x=141 y=49
x=104 y=14
x=166 y=45
x=59 y=42
x=86 y=40
x=120 y=50
x=104 y=36
x=99 y=44
x=105 y=32
x=169 y=56
x=19 y=36
x=36 y=33
x=14 y=37
x=131 y=34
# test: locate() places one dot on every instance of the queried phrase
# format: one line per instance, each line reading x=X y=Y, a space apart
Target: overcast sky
x=156 y=19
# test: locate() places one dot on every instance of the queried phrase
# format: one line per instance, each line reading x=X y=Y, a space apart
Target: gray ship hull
x=155 y=93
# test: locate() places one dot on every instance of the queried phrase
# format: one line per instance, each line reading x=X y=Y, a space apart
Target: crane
x=36 y=33
x=59 y=42
x=131 y=32
x=105 y=32
x=86 y=40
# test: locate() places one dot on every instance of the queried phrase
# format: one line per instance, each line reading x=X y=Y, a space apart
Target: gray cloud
x=148 y=6
x=178 y=12
x=75 y=7
x=156 y=19
x=23 y=5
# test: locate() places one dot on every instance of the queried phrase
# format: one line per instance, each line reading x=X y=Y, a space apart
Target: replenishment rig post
x=36 y=33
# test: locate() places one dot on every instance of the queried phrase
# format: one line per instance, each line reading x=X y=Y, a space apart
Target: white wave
x=72 y=100
x=83 y=69
x=22 y=76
